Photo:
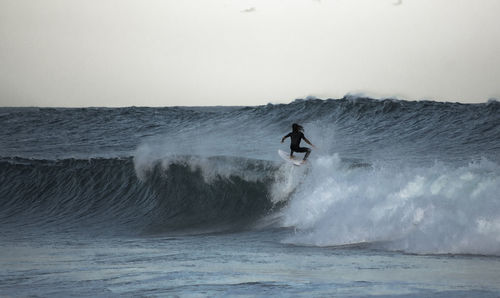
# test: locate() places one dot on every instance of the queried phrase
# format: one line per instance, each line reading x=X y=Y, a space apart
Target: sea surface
x=398 y=199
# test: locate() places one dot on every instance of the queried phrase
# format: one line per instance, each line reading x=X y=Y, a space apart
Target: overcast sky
x=245 y=52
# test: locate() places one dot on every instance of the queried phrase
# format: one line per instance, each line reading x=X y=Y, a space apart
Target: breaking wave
x=436 y=209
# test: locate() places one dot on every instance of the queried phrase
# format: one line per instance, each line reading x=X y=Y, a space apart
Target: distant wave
x=352 y=126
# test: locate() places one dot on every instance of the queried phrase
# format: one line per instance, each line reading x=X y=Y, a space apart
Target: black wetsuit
x=296 y=137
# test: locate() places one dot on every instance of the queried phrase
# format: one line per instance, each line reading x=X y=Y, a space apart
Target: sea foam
x=435 y=209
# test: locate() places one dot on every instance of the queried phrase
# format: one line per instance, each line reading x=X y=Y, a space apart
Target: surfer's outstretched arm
x=308 y=142
x=283 y=139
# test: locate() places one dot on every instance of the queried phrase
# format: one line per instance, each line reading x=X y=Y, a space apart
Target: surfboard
x=286 y=156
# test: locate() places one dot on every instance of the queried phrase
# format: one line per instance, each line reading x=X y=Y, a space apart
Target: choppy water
x=400 y=198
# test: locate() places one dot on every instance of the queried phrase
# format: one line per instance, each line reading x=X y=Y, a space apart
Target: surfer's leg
x=303 y=149
x=307 y=153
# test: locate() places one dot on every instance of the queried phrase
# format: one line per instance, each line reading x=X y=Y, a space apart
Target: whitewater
x=399 y=198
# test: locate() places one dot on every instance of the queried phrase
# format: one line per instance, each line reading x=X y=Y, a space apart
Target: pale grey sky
x=245 y=52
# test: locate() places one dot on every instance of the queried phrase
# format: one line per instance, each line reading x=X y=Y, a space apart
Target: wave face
x=414 y=176
x=106 y=194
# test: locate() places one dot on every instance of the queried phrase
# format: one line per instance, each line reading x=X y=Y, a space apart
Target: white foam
x=436 y=209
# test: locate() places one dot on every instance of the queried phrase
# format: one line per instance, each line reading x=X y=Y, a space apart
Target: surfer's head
x=296 y=127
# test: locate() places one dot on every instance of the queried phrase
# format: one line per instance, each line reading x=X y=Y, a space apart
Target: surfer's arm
x=283 y=139
x=307 y=141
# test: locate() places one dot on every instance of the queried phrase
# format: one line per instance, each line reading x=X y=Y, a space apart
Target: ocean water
x=399 y=199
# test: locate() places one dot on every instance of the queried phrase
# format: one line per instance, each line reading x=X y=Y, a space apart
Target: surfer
x=296 y=136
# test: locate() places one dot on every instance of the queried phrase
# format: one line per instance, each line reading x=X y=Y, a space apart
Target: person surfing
x=296 y=136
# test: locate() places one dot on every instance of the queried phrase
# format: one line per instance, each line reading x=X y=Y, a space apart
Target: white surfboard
x=286 y=156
